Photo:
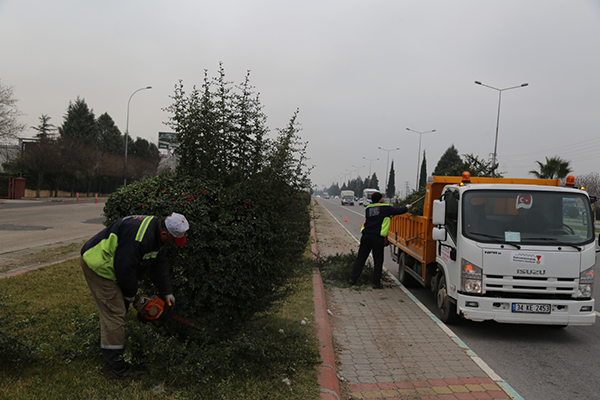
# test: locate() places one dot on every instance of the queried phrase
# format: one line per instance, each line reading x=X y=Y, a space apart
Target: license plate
x=531 y=308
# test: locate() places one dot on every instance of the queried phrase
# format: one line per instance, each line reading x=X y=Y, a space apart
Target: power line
x=586 y=145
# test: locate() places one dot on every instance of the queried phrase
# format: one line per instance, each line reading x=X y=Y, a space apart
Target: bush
x=242 y=244
x=246 y=201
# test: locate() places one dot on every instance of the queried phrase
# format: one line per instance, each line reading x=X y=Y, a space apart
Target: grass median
x=49 y=335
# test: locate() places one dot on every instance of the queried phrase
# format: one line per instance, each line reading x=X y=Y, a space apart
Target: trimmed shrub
x=243 y=243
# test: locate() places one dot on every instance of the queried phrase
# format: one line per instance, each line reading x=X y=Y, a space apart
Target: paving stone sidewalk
x=388 y=347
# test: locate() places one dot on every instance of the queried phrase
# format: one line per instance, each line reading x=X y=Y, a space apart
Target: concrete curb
x=328 y=380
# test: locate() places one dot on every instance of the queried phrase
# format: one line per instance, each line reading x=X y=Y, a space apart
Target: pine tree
x=45 y=129
x=80 y=124
x=374 y=182
x=110 y=139
x=423 y=172
x=391 y=187
x=447 y=162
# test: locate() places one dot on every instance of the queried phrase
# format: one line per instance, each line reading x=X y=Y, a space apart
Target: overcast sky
x=360 y=72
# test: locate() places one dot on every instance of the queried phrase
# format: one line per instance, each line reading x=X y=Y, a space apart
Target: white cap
x=177 y=226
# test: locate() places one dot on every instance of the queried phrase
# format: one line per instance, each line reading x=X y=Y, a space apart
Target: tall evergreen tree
x=423 y=172
x=110 y=139
x=45 y=129
x=80 y=124
x=391 y=187
x=447 y=162
x=374 y=181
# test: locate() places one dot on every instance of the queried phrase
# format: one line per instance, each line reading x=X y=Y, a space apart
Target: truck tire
x=405 y=278
x=446 y=308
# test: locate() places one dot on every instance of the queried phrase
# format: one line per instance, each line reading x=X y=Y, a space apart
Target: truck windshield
x=527 y=217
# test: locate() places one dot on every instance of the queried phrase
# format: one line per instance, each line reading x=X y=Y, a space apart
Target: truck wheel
x=405 y=279
x=446 y=308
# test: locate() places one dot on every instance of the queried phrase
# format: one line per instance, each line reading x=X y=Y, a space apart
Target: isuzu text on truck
x=508 y=250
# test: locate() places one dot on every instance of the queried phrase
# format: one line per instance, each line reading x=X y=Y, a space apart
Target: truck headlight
x=586 y=283
x=471 y=276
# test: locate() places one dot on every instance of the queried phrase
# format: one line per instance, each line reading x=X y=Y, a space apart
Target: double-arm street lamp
x=370 y=160
x=357 y=170
x=127 y=130
x=419 y=155
x=388 y=165
x=498 y=117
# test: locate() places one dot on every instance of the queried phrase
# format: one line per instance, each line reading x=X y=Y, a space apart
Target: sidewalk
x=387 y=345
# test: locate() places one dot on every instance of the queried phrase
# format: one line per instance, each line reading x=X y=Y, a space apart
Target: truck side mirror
x=439 y=212
x=439 y=234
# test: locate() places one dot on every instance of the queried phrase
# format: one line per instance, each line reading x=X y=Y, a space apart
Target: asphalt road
x=33 y=223
x=538 y=362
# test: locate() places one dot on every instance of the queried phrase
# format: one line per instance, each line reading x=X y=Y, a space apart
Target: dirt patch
x=331 y=237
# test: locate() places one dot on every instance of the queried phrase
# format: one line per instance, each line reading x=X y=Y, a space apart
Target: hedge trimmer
x=153 y=309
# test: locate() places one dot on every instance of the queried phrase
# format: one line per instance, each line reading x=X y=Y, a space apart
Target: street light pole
x=498 y=117
x=387 y=166
x=370 y=161
x=127 y=131
x=419 y=155
x=358 y=170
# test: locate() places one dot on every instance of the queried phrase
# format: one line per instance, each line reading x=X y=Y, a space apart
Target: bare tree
x=9 y=115
x=591 y=183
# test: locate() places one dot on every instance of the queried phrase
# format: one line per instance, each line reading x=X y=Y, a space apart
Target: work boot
x=124 y=373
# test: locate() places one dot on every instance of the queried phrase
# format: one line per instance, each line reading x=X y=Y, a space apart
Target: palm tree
x=554 y=168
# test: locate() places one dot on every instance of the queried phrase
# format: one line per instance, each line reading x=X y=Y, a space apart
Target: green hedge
x=243 y=242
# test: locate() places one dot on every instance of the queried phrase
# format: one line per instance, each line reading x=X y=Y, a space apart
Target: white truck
x=347 y=197
x=517 y=251
x=367 y=196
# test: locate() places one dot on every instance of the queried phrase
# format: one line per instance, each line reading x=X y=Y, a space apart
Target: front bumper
x=563 y=312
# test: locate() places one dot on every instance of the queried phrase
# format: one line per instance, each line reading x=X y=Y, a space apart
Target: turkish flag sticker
x=524 y=201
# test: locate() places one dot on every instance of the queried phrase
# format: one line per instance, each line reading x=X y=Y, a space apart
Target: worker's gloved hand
x=170 y=299
x=408 y=206
x=128 y=301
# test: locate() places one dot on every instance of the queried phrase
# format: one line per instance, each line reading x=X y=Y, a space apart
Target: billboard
x=167 y=140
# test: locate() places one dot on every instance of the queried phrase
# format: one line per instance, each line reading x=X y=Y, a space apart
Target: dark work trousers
x=369 y=243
